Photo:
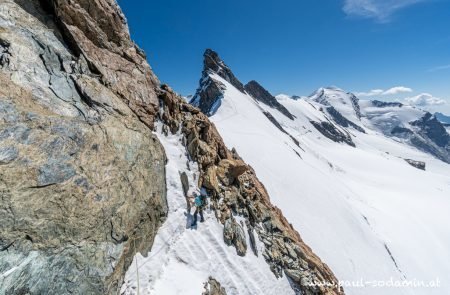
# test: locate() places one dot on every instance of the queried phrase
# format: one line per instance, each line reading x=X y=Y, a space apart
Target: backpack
x=200 y=201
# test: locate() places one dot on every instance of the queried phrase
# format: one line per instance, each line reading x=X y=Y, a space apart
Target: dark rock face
x=433 y=129
x=274 y=122
x=330 y=131
x=210 y=92
x=427 y=134
x=444 y=119
x=213 y=63
x=209 y=96
x=355 y=103
x=236 y=191
x=384 y=104
x=417 y=164
x=82 y=177
x=341 y=120
x=431 y=137
x=260 y=94
x=278 y=125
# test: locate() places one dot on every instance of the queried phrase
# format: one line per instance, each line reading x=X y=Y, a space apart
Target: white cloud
x=397 y=90
x=425 y=100
x=380 y=10
x=390 y=91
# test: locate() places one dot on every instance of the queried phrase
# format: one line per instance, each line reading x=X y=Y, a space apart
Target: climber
x=200 y=202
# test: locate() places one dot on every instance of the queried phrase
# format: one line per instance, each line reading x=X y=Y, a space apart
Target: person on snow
x=200 y=203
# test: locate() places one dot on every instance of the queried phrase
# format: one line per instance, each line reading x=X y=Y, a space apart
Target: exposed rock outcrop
x=260 y=94
x=431 y=137
x=330 y=131
x=341 y=120
x=324 y=95
x=210 y=92
x=417 y=164
x=213 y=287
x=433 y=129
x=233 y=234
x=82 y=178
x=214 y=64
x=98 y=31
x=240 y=193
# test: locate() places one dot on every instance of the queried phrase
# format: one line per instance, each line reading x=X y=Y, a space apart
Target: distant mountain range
x=443 y=118
x=368 y=177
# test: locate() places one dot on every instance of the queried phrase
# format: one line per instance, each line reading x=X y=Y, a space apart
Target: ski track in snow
x=366 y=212
x=182 y=259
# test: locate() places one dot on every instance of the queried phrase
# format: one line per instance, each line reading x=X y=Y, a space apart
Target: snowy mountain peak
x=344 y=102
x=212 y=63
x=210 y=92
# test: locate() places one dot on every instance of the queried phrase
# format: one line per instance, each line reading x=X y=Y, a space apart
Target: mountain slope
x=244 y=217
x=361 y=208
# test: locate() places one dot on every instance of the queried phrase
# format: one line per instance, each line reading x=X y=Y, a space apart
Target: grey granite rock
x=233 y=234
x=82 y=177
x=8 y=154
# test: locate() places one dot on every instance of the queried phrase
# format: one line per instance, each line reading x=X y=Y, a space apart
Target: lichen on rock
x=82 y=177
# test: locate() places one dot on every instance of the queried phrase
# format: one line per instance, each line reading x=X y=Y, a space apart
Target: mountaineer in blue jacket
x=200 y=202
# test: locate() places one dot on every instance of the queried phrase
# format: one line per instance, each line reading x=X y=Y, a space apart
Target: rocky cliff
x=82 y=178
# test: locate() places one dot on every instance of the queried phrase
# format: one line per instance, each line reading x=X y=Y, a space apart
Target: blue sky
x=384 y=49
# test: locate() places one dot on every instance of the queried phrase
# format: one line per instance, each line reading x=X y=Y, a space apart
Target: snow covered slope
x=364 y=210
x=182 y=258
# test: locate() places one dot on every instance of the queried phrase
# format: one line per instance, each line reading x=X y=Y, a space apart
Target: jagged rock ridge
x=431 y=137
x=259 y=93
x=209 y=94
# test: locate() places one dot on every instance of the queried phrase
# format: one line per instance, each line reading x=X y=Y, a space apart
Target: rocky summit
x=82 y=183
x=208 y=95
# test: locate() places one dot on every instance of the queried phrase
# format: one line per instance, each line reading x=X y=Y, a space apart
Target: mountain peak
x=212 y=63
x=345 y=102
x=210 y=91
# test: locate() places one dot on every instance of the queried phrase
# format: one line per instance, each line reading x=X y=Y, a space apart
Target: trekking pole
x=137 y=267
